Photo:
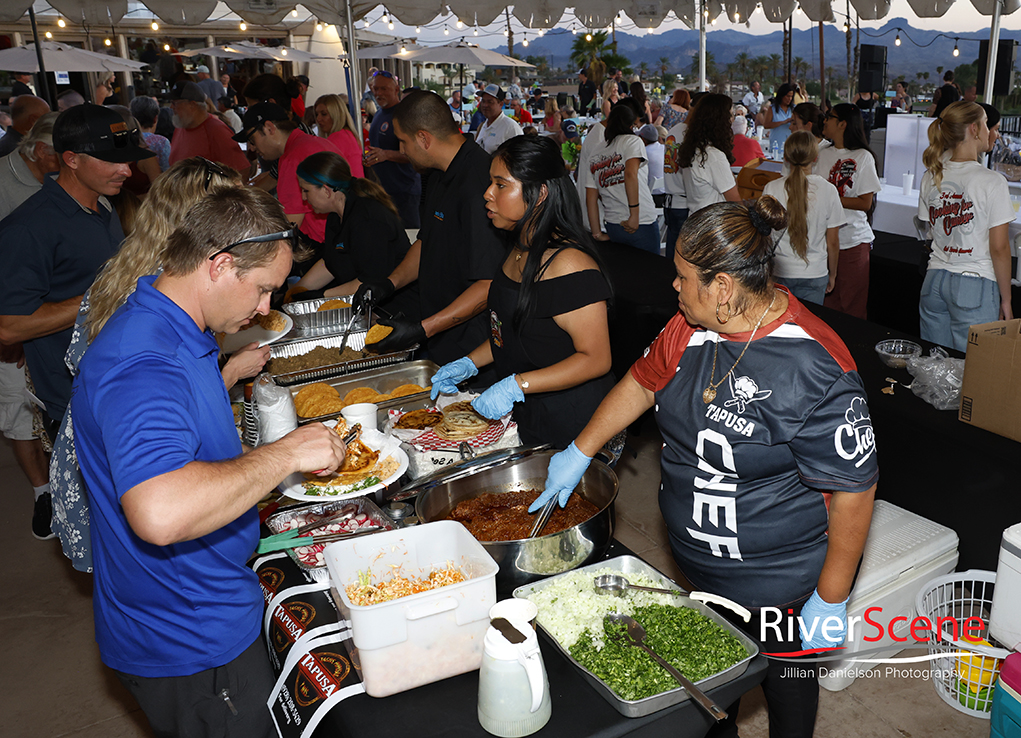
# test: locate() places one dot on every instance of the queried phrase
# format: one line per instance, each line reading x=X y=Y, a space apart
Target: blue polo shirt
x=51 y=249
x=149 y=399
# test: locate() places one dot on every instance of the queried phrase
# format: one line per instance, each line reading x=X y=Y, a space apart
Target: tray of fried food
x=325 y=315
x=319 y=358
x=395 y=386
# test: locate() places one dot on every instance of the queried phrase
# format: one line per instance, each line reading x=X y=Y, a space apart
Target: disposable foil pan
x=278 y=523
x=309 y=322
x=627 y=565
x=383 y=379
x=354 y=341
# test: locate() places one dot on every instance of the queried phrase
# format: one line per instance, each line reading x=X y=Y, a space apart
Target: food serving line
x=332 y=633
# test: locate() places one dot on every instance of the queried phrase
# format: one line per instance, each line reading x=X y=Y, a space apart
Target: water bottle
x=775 y=151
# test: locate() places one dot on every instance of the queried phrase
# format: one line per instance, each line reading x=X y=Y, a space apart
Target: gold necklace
x=709 y=393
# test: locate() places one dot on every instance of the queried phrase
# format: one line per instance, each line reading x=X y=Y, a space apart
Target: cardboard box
x=991 y=391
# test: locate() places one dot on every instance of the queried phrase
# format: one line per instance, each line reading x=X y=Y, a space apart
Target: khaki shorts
x=15 y=410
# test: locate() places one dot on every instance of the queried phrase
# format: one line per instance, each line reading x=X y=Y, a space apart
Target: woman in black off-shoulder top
x=547 y=304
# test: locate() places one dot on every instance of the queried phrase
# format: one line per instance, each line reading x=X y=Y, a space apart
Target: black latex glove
x=406 y=333
x=381 y=289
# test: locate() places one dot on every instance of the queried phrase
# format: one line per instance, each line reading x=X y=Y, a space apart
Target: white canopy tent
x=531 y=13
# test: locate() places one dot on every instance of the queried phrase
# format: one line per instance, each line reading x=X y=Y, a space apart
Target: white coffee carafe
x=514 y=696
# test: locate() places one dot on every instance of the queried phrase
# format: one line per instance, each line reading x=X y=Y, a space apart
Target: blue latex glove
x=446 y=378
x=499 y=399
x=565 y=472
x=817 y=612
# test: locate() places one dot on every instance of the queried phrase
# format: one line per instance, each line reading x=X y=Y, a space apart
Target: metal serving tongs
x=292 y=538
x=352 y=434
x=356 y=310
x=542 y=517
x=635 y=636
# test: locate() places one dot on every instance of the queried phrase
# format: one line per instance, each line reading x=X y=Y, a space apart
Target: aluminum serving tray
x=639 y=708
x=354 y=341
x=309 y=322
x=277 y=524
x=383 y=380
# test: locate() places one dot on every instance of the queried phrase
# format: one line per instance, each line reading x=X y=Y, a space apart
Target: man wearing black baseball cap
x=55 y=242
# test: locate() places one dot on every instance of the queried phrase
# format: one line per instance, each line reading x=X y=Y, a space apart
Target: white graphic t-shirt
x=705 y=183
x=970 y=200
x=673 y=180
x=853 y=173
x=606 y=174
x=824 y=212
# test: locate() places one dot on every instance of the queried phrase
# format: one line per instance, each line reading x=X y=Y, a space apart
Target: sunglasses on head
x=384 y=73
x=212 y=168
x=291 y=235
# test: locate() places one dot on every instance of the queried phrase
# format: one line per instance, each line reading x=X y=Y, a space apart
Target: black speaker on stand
x=1003 y=75
x=871 y=68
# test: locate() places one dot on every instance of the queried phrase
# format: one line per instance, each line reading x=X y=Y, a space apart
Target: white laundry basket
x=965 y=675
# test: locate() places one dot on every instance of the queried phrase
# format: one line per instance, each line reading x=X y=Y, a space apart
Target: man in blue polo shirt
x=177 y=612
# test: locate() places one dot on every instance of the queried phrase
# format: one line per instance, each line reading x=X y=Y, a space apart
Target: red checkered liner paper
x=427 y=440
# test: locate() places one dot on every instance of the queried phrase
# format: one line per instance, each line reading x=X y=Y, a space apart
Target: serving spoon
x=635 y=636
x=616 y=584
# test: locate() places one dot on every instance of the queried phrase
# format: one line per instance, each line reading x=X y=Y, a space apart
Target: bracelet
x=633 y=206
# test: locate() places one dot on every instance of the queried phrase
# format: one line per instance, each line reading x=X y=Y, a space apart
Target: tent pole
x=355 y=94
x=994 y=45
x=701 y=47
x=44 y=79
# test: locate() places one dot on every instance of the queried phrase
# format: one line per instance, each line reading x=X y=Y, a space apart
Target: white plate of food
x=386 y=467
x=262 y=329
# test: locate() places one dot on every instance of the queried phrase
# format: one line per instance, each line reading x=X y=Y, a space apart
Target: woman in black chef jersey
x=547 y=304
x=365 y=238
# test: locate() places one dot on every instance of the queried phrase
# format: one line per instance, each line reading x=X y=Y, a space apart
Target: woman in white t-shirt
x=807 y=251
x=969 y=210
x=618 y=177
x=850 y=166
x=706 y=154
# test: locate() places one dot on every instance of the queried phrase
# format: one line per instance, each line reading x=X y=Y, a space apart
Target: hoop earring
x=718 y=318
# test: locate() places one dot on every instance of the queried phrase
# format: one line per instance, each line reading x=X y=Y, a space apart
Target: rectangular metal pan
x=354 y=341
x=383 y=380
x=308 y=322
x=639 y=708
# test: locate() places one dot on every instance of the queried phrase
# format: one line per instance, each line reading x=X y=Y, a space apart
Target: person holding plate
x=768 y=465
x=549 y=339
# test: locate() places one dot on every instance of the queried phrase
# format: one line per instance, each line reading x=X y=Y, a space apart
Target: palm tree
x=664 y=67
x=643 y=70
x=710 y=65
x=587 y=54
x=741 y=64
x=774 y=62
x=760 y=67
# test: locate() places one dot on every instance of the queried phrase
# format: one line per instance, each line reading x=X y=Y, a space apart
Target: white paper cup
x=909 y=183
x=515 y=609
x=362 y=412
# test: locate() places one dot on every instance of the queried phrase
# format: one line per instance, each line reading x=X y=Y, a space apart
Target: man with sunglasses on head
x=178 y=613
x=384 y=155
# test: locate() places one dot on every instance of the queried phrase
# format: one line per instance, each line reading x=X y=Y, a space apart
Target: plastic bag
x=277 y=416
x=937 y=378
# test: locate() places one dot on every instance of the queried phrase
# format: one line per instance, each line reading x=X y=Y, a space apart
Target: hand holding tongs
x=356 y=310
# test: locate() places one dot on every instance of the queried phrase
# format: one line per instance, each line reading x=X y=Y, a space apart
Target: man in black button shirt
x=586 y=92
x=458 y=249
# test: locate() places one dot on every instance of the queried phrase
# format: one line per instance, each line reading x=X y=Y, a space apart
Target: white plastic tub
x=425 y=637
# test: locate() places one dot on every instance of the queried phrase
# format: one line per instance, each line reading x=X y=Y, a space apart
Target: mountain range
x=920 y=50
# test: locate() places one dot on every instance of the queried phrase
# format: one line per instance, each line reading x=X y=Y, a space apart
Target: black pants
x=791 y=690
x=225 y=701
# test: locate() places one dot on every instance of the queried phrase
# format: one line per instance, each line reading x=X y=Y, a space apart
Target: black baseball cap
x=255 y=116
x=99 y=132
x=187 y=90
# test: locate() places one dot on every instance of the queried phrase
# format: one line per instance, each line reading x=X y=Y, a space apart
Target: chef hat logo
x=858 y=414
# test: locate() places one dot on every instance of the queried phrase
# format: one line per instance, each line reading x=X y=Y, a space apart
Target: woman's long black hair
x=781 y=93
x=553 y=222
x=854 y=133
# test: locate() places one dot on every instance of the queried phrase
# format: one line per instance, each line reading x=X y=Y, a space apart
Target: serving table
x=448 y=708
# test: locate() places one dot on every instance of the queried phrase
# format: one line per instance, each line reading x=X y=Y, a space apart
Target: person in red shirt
x=268 y=129
x=520 y=112
x=745 y=149
x=197 y=133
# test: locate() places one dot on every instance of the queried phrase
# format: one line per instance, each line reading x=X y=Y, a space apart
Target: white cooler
x=902 y=553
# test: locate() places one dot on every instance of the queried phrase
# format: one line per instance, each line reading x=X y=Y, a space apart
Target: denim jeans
x=645 y=238
x=951 y=302
x=675 y=218
x=806 y=290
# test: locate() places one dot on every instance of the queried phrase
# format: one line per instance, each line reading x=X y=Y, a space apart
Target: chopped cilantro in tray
x=685 y=638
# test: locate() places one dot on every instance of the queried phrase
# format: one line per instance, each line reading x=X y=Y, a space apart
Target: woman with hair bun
x=807 y=251
x=365 y=237
x=549 y=341
x=751 y=393
x=969 y=210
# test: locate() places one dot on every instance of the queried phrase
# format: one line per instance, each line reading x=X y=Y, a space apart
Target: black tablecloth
x=930 y=462
x=449 y=708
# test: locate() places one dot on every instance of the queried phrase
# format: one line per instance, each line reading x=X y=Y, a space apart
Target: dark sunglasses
x=212 y=168
x=291 y=234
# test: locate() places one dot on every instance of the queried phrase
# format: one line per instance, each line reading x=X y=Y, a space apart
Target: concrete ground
x=54 y=684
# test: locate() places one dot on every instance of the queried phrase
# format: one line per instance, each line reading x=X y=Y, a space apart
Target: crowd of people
x=111 y=302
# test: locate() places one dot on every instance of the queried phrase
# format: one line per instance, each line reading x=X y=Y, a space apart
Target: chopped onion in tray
x=571 y=604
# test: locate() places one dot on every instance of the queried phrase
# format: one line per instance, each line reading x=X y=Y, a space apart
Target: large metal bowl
x=526 y=560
